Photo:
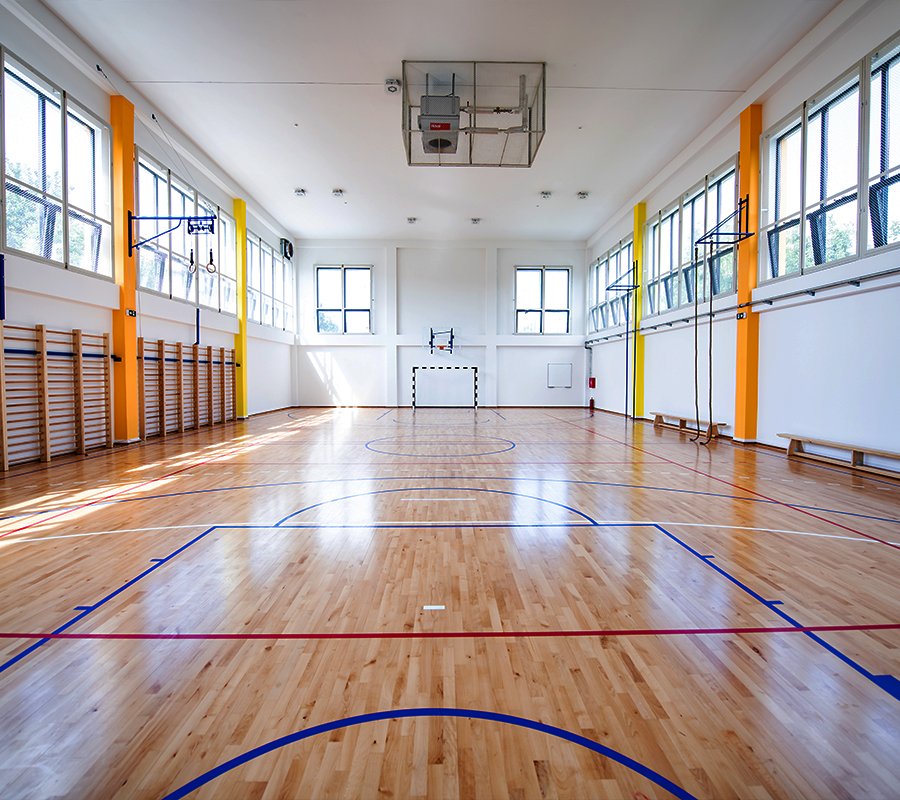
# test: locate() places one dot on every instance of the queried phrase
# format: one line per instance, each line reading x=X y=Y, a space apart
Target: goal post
x=445 y=387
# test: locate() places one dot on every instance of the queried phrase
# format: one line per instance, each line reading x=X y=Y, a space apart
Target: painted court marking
x=401 y=713
x=376 y=635
x=468 y=523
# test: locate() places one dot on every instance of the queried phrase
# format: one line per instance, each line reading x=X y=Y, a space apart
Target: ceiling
x=290 y=93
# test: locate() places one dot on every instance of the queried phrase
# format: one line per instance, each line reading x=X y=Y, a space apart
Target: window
x=812 y=172
x=675 y=266
x=343 y=299
x=57 y=195
x=663 y=286
x=175 y=264
x=542 y=299
x=609 y=306
x=270 y=285
x=884 y=148
x=832 y=170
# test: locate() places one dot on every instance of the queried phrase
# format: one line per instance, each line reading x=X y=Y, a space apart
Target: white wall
x=426 y=284
x=669 y=370
x=831 y=369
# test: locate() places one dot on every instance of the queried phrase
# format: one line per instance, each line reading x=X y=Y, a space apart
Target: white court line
x=766 y=530
x=107 y=533
x=434 y=499
x=473 y=522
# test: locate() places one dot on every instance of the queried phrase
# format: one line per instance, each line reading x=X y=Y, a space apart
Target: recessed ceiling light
x=476 y=220
x=546 y=194
x=298 y=192
x=337 y=192
x=582 y=195
x=412 y=220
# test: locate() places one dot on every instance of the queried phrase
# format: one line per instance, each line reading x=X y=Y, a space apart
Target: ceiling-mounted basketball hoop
x=473 y=113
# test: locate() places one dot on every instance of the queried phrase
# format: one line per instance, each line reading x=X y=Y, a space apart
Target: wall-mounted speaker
x=287 y=248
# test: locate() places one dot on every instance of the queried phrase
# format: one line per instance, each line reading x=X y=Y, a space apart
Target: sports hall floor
x=239 y=613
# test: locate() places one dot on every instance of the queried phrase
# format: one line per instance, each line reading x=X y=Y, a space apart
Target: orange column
x=746 y=399
x=124 y=321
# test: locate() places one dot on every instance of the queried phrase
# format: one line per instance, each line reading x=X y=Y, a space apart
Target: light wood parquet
x=587 y=567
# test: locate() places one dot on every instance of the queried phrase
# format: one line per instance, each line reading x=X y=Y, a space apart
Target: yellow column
x=240 y=338
x=747 y=379
x=640 y=217
x=124 y=322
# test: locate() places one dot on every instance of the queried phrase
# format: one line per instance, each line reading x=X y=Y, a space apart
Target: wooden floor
x=241 y=613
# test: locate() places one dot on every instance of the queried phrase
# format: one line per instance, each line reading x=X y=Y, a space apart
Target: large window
x=198 y=269
x=677 y=272
x=813 y=177
x=607 y=306
x=270 y=285
x=542 y=299
x=56 y=174
x=344 y=299
x=884 y=148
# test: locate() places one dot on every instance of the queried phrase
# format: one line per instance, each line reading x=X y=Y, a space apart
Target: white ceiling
x=289 y=93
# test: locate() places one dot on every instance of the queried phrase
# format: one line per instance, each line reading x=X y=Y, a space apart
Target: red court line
x=456 y=634
x=733 y=485
x=106 y=497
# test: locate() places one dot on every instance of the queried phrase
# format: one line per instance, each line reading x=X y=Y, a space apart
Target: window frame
x=867 y=192
x=43 y=196
x=172 y=181
x=276 y=295
x=608 y=306
x=344 y=308
x=543 y=268
x=674 y=288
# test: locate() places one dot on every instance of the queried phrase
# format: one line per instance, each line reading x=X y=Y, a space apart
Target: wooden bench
x=858 y=454
x=710 y=429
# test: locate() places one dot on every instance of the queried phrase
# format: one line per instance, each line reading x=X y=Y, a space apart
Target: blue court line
x=402 y=713
x=498 y=414
x=611 y=484
x=157 y=563
x=888 y=683
x=385 y=413
x=434 y=489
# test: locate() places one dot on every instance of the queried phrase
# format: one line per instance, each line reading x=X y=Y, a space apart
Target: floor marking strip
x=527 y=634
x=108 y=533
x=635 y=766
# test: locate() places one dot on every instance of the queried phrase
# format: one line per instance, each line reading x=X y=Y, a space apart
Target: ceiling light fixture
x=582 y=195
x=337 y=193
x=299 y=192
x=412 y=220
x=546 y=194
x=476 y=220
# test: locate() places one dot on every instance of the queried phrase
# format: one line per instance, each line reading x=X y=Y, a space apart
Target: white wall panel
x=522 y=376
x=440 y=288
x=342 y=376
x=831 y=370
x=669 y=370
